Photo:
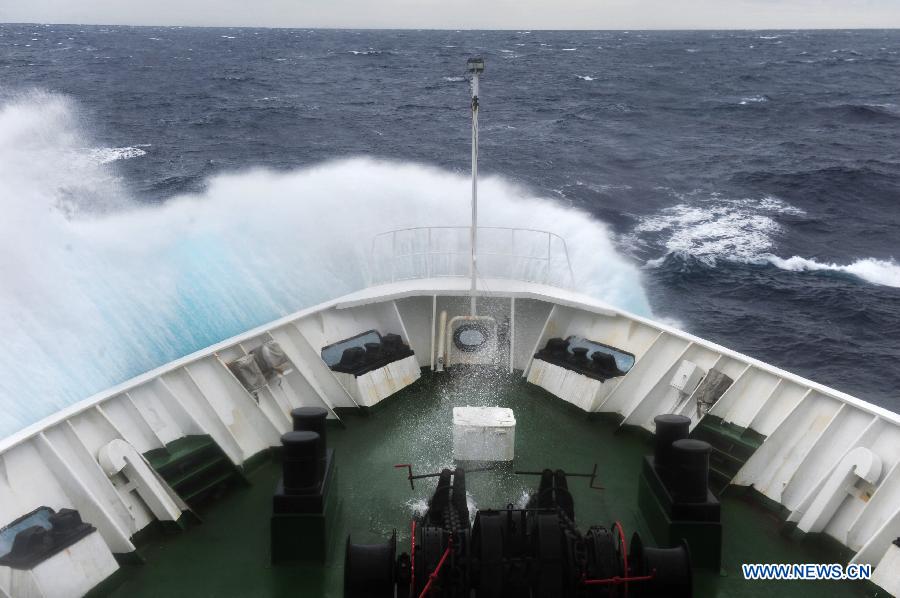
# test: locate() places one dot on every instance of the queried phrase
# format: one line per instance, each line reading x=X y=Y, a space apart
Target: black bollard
x=312 y=419
x=301 y=466
x=691 y=469
x=669 y=428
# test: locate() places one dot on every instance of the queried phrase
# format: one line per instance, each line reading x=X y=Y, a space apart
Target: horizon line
x=455 y=29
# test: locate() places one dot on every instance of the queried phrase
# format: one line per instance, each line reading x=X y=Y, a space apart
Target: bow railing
x=523 y=254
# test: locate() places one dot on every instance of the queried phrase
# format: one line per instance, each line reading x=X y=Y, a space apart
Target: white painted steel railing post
x=394 y=256
x=373 y=264
x=549 y=249
x=428 y=256
x=512 y=251
x=568 y=262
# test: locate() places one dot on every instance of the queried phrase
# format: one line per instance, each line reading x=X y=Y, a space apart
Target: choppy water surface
x=164 y=188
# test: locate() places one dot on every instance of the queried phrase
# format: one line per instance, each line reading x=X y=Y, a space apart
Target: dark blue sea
x=165 y=188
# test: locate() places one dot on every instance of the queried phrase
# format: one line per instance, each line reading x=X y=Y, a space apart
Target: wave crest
x=715 y=229
x=105 y=155
x=875 y=271
x=98 y=288
x=699 y=235
x=865 y=112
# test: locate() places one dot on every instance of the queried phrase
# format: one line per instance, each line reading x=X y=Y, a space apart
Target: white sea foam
x=454 y=79
x=881 y=272
x=743 y=231
x=522 y=501
x=417 y=506
x=773 y=204
x=105 y=155
x=585 y=77
x=757 y=99
x=97 y=288
x=568 y=49
x=717 y=228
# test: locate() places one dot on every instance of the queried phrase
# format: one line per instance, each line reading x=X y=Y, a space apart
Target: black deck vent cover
x=38 y=535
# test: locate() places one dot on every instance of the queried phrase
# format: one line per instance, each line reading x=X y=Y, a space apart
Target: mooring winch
x=535 y=551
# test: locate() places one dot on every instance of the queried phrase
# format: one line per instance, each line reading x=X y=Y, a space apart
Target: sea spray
x=97 y=288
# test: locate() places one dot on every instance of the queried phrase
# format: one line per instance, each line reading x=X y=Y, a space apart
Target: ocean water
x=165 y=188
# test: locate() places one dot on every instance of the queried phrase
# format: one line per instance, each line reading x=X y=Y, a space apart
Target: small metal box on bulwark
x=483 y=434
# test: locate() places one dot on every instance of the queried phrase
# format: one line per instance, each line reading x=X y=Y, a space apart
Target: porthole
x=470 y=338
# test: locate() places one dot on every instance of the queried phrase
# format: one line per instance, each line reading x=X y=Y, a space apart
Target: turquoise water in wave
x=166 y=188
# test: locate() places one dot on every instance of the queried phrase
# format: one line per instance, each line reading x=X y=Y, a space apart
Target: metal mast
x=475 y=66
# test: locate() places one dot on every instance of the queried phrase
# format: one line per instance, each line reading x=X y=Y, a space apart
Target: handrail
x=527 y=254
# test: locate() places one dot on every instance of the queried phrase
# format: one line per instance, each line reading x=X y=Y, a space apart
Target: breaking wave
x=757 y=99
x=369 y=52
x=98 y=287
x=105 y=155
x=875 y=271
x=874 y=112
x=741 y=231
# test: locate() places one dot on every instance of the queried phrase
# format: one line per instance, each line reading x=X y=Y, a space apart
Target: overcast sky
x=468 y=14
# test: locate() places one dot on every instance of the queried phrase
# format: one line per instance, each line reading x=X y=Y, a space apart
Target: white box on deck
x=483 y=434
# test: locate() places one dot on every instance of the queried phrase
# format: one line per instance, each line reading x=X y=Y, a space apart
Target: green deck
x=228 y=554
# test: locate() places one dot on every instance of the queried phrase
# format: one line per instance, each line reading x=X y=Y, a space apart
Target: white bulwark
x=73 y=571
x=814 y=439
x=371 y=388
